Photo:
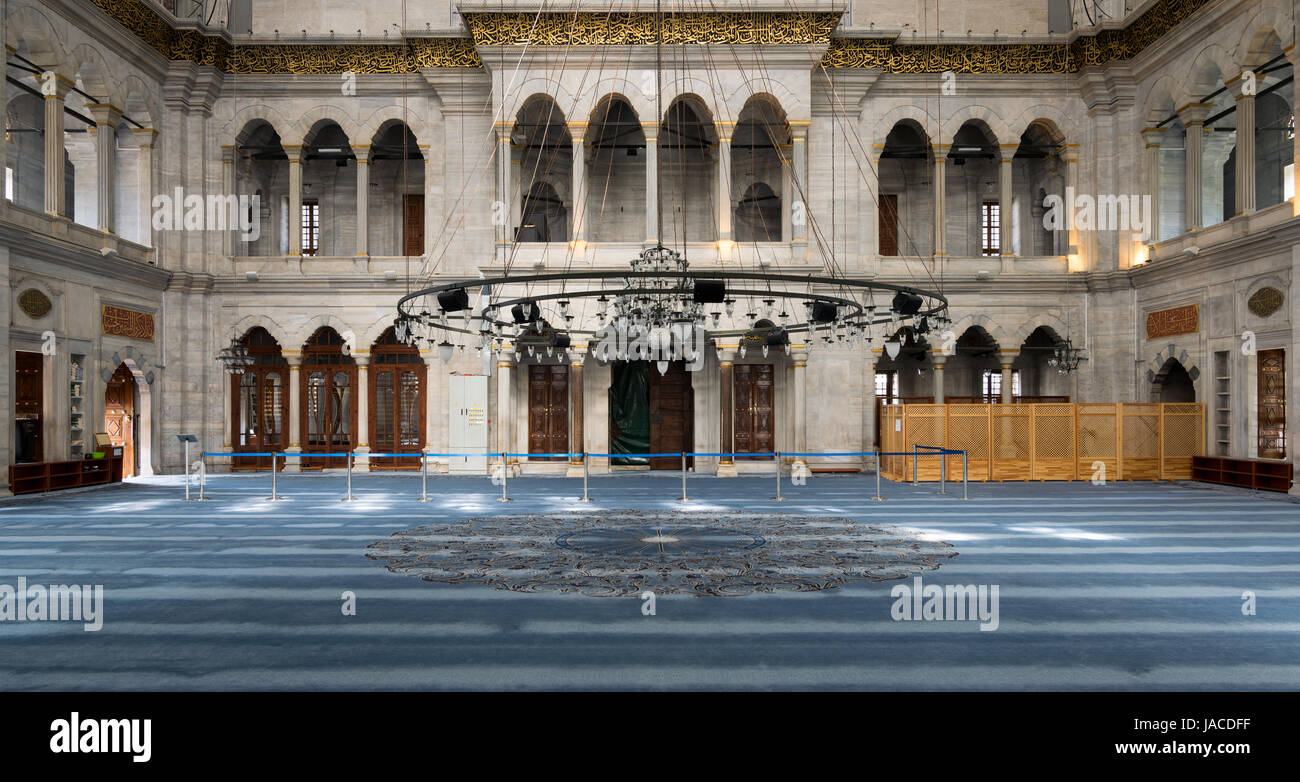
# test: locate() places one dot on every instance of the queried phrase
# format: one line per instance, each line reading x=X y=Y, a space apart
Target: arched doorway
x=119 y=416
x=260 y=405
x=328 y=394
x=1173 y=384
x=397 y=388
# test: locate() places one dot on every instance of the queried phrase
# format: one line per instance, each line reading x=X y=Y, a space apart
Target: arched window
x=329 y=415
x=260 y=403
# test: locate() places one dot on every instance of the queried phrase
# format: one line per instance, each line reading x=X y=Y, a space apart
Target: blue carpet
x=1118 y=587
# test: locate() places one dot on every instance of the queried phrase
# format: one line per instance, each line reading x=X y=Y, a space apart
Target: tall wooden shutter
x=888 y=224
x=413 y=225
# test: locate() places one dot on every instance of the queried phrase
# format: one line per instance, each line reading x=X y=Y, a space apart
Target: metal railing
x=503 y=468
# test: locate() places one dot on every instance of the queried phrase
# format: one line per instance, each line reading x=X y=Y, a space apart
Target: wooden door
x=29 y=406
x=261 y=410
x=753 y=406
x=888 y=224
x=329 y=415
x=548 y=410
x=1272 y=403
x=413 y=225
x=672 y=415
x=396 y=414
x=119 y=416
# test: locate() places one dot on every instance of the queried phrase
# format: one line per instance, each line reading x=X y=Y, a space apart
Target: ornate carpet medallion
x=625 y=552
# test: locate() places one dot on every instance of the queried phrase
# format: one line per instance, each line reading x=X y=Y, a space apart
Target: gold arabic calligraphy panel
x=622 y=29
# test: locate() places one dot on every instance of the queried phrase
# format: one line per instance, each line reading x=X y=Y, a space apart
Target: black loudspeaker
x=777 y=338
x=824 y=312
x=906 y=303
x=453 y=300
x=562 y=340
x=710 y=291
x=525 y=316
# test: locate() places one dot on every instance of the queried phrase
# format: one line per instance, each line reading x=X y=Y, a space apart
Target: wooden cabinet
x=1246 y=473
x=51 y=476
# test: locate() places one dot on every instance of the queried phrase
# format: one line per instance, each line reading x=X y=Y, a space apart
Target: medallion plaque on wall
x=1265 y=301
x=34 y=303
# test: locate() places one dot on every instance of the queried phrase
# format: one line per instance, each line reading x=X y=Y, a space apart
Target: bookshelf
x=1262 y=474
x=1222 y=404
x=76 y=406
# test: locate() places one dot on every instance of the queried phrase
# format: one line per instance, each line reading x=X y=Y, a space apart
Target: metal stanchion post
x=187 y=470
x=274 y=495
x=914 y=464
x=683 y=498
x=778 y=497
x=505 y=477
x=349 y=497
x=943 y=472
x=424 y=477
x=585 y=497
x=203 y=474
x=964 y=495
x=879 y=469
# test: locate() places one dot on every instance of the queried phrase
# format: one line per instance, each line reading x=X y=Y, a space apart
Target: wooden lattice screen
x=1131 y=441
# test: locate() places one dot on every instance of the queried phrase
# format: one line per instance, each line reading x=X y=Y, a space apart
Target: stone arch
x=317 y=117
x=144 y=375
x=247 y=323
x=372 y=332
x=1211 y=65
x=250 y=118
x=380 y=119
x=612 y=87
x=1050 y=118
x=982 y=116
x=1269 y=22
x=1160 y=100
x=534 y=89
x=917 y=116
x=1159 y=365
x=93 y=72
x=991 y=327
x=30 y=33
x=1032 y=324
x=313 y=324
x=783 y=99
x=138 y=101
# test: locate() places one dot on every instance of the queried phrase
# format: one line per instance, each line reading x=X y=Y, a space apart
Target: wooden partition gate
x=1131 y=441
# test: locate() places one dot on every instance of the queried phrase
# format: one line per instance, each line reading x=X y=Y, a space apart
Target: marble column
x=295 y=199
x=801 y=189
x=55 y=88
x=1193 y=117
x=1005 y=224
x=787 y=191
x=362 y=436
x=432 y=216
x=293 y=463
x=106 y=119
x=799 y=359
x=506 y=409
x=363 y=200
x=228 y=155
x=577 y=430
x=1245 y=182
x=504 y=210
x=143 y=139
x=1070 y=159
x=1152 y=138
x=1005 y=360
x=724 y=204
x=577 y=131
x=651 y=130
x=936 y=361
x=726 y=396
x=940 y=201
